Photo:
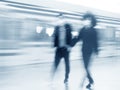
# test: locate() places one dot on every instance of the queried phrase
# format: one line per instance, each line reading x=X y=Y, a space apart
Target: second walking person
x=89 y=36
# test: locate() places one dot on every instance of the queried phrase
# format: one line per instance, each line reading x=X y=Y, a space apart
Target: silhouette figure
x=62 y=42
x=89 y=37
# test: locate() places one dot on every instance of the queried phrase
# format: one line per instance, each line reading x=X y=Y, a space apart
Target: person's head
x=89 y=20
x=67 y=26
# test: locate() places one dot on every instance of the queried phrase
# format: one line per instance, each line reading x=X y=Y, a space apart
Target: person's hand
x=68 y=48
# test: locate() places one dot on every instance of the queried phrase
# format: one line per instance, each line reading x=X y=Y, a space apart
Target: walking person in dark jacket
x=62 y=42
x=89 y=37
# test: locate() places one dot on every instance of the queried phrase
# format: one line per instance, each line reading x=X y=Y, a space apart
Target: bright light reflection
x=39 y=29
x=50 y=31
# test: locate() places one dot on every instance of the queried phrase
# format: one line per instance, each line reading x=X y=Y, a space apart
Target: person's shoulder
x=82 y=29
x=95 y=29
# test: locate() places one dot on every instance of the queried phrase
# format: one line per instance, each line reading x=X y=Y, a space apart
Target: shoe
x=66 y=80
x=88 y=86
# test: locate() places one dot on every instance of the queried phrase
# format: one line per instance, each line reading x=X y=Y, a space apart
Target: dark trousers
x=86 y=61
x=62 y=53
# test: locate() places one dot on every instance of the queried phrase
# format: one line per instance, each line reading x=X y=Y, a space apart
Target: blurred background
x=27 y=26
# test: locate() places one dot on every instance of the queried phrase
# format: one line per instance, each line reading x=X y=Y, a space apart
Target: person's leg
x=89 y=78
x=67 y=66
x=88 y=72
x=56 y=61
x=86 y=59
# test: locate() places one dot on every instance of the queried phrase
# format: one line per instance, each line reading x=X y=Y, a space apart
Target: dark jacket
x=89 y=38
x=68 y=35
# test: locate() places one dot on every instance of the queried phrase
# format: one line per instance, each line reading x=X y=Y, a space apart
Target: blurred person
x=89 y=37
x=62 y=42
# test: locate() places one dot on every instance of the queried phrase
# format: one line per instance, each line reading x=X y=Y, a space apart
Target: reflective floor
x=32 y=71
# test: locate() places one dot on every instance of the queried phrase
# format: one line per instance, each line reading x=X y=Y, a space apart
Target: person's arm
x=55 y=36
x=77 y=38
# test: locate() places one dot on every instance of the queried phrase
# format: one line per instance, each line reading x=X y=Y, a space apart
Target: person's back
x=89 y=38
